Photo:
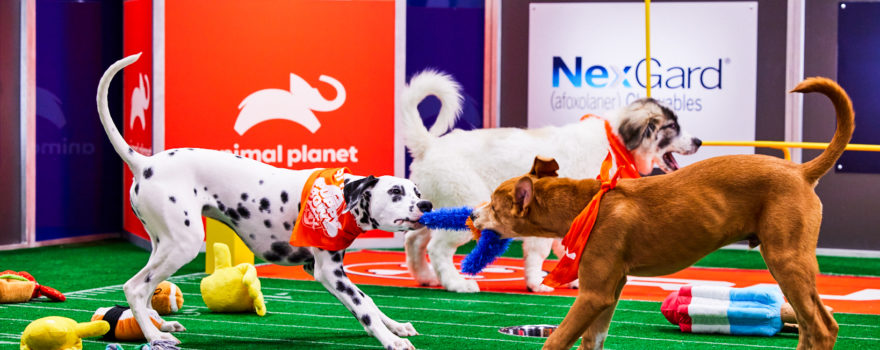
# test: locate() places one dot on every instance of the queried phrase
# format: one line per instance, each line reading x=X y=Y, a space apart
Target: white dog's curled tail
x=130 y=156
x=424 y=84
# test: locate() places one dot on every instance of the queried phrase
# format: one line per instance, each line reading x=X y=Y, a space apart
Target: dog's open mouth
x=412 y=223
x=669 y=161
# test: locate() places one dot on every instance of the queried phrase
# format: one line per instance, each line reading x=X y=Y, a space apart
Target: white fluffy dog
x=463 y=167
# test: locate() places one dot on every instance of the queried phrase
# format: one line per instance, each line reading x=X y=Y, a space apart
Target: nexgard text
x=573 y=73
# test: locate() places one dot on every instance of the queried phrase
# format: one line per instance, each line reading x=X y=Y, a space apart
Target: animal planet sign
x=295 y=84
x=590 y=58
x=137 y=125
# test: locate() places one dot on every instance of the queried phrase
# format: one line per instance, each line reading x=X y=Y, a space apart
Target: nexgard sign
x=703 y=64
x=613 y=77
x=600 y=76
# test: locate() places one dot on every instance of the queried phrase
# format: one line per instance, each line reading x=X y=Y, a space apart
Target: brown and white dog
x=454 y=169
x=661 y=224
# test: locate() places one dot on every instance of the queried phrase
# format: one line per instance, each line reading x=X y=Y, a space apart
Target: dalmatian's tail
x=129 y=155
x=424 y=84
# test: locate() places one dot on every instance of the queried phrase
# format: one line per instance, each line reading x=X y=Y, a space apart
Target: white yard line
x=118 y=287
x=455 y=311
x=536 y=342
x=416 y=298
x=698 y=342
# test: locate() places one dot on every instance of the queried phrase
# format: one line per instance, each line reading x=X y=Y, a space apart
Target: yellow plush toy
x=232 y=288
x=60 y=333
x=167 y=298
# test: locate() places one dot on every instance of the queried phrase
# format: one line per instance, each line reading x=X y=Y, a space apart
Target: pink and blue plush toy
x=756 y=310
x=489 y=245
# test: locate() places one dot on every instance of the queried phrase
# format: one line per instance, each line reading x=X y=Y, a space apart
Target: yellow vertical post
x=218 y=232
x=648 y=43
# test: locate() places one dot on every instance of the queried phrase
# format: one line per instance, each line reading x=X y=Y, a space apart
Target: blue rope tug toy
x=489 y=245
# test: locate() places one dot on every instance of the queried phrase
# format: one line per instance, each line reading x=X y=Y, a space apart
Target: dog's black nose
x=473 y=216
x=698 y=142
x=424 y=206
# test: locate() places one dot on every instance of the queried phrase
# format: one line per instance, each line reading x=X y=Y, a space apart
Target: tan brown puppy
x=661 y=224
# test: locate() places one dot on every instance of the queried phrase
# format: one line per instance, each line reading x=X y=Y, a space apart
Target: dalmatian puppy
x=261 y=203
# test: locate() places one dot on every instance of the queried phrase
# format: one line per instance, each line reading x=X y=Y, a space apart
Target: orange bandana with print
x=579 y=232
x=322 y=220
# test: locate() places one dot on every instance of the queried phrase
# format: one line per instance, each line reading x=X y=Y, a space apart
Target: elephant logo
x=297 y=105
x=140 y=101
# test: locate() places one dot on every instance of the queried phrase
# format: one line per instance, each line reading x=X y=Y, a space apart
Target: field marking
x=411 y=308
x=700 y=342
x=278 y=339
x=184 y=277
x=184 y=316
x=411 y=297
x=119 y=286
x=474 y=301
x=270 y=297
x=446 y=310
x=214 y=335
x=535 y=342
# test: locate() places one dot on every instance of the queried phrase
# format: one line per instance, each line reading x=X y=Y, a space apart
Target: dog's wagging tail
x=816 y=168
x=128 y=155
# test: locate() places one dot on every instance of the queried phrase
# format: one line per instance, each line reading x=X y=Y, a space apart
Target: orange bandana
x=576 y=238
x=321 y=222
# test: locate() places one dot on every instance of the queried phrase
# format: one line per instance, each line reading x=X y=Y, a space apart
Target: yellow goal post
x=786 y=147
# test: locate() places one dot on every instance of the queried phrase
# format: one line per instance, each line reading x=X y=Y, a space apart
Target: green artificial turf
x=748 y=259
x=304 y=316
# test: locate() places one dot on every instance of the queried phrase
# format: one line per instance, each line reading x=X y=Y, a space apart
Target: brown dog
x=661 y=224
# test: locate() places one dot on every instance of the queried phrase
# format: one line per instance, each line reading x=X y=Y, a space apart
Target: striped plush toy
x=739 y=311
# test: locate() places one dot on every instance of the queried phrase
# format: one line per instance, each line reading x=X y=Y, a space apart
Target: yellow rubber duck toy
x=60 y=333
x=232 y=288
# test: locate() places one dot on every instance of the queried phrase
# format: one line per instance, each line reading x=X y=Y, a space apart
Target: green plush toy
x=232 y=288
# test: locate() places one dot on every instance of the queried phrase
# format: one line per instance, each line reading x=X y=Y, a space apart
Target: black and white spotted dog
x=174 y=188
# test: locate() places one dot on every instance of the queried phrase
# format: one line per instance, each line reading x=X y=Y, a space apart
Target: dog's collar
x=323 y=221
x=579 y=232
x=617 y=152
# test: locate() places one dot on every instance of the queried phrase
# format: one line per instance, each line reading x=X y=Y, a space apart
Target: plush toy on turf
x=19 y=287
x=124 y=327
x=60 y=333
x=155 y=345
x=232 y=288
x=119 y=347
x=167 y=298
x=489 y=244
x=757 y=310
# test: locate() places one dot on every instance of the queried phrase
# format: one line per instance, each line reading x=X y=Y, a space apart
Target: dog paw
x=164 y=344
x=402 y=329
x=172 y=326
x=463 y=286
x=399 y=344
x=164 y=339
x=428 y=279
x=539 y=288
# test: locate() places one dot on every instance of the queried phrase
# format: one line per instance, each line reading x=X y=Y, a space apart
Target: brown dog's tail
x=816 y=168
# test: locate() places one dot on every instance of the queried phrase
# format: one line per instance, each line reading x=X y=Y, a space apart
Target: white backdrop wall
x=590 y=58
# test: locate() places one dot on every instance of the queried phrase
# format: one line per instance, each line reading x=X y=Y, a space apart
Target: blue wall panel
x=78 y=185
x=448 y=35
x=858 y=71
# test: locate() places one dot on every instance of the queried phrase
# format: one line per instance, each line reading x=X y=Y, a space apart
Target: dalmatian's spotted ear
x=353 y=191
